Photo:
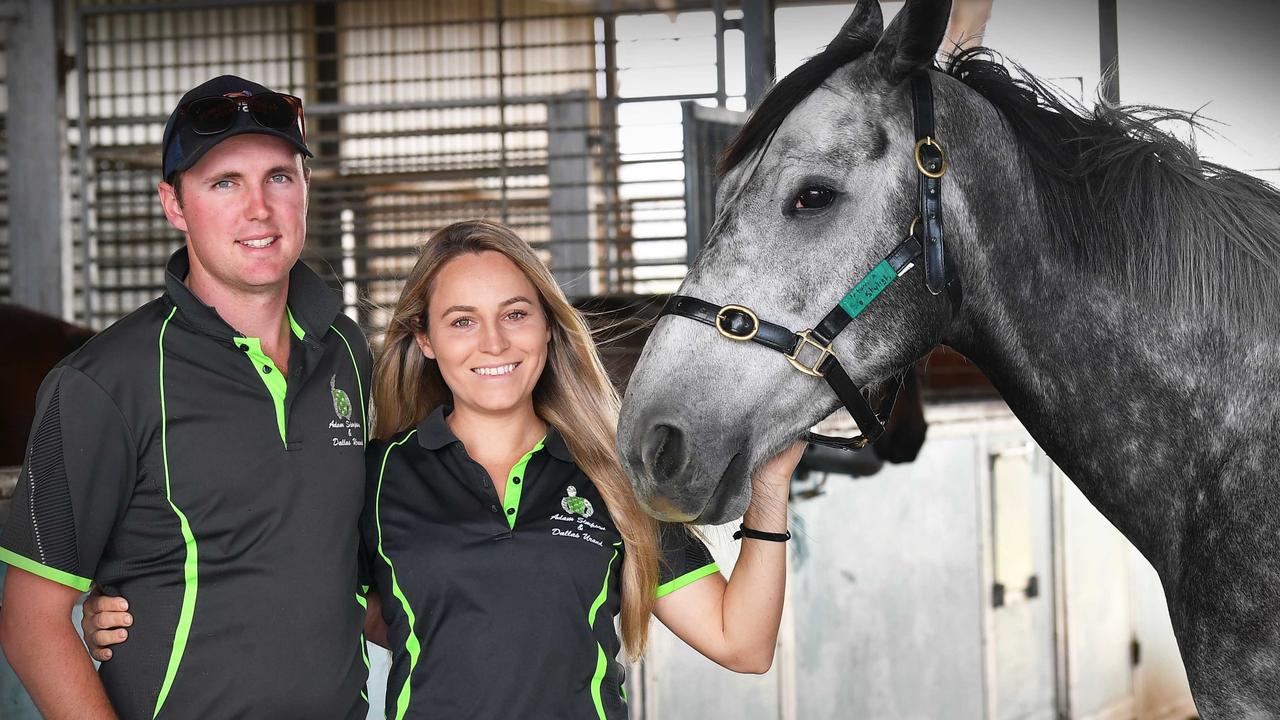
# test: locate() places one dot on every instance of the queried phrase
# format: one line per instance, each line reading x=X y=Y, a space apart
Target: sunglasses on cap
x=213 y=115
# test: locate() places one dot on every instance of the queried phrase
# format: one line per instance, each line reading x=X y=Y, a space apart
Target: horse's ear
x=912 y=39
x=863 y=28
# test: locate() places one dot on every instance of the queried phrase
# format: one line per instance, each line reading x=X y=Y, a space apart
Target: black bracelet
x=746 y=532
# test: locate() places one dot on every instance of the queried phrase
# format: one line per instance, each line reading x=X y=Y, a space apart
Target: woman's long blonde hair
x=574 y=395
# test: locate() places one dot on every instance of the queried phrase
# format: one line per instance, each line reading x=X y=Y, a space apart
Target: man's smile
x=258 y=243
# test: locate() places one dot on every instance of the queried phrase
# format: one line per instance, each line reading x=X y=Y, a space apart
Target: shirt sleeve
x=77 y=478
x=684 y=558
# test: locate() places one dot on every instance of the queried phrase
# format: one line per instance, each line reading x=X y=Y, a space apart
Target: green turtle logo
x=575 y=505
x=341 y=403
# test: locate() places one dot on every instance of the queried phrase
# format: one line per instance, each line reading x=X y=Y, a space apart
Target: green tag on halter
x=874 y=283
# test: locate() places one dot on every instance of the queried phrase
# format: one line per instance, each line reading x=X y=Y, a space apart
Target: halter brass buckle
x=806 y=338
x=755 y=323
x=920 y=161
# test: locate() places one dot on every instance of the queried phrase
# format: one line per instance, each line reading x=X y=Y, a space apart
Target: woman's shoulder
x=380 y=449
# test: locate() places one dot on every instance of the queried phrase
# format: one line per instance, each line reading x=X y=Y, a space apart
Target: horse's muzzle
x=676 y=482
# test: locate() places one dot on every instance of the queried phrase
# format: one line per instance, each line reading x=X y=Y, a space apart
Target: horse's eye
x=814 y=198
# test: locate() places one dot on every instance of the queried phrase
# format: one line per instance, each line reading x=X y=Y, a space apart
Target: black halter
x=809 y=351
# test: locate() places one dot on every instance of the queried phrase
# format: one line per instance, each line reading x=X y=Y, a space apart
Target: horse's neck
x=1138 y=405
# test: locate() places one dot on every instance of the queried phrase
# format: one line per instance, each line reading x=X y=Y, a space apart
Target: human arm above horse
x=967 y=26
x=735 y=623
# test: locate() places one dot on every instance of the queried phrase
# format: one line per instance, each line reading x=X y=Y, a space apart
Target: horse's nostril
x=664 y=451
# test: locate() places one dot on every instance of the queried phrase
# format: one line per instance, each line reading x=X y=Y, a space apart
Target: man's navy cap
x=183 y=147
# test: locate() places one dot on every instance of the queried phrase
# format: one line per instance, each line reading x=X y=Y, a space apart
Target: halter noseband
x=809 y=351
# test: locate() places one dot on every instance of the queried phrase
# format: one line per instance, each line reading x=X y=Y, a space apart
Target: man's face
x=244 y=210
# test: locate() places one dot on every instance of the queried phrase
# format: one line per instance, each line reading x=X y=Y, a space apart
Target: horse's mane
x=1122 y=196
x=1131 y=201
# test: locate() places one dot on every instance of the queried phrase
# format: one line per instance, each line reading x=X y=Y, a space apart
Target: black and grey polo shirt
x=500 y=609
x=173 y=464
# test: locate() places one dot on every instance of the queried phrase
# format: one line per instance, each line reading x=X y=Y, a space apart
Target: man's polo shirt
x=173 y=464
x=501 y=609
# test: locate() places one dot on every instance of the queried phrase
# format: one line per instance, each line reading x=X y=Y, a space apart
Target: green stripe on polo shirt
x=602 y=662
x=271 y=377
x=688 y=578
x=411 y=644
x=190 y=566
x=294 y=326
x=515 y=481
x=59 y=576
x=364 y=650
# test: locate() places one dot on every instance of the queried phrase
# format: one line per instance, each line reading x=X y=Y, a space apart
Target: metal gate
x=562 y=121
x=707 y=131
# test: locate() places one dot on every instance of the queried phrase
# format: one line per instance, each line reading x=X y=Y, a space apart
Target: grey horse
x=1120 y=293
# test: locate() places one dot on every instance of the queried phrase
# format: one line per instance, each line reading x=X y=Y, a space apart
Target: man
x=203 y=457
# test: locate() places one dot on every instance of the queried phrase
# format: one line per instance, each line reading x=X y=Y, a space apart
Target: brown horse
x=35 y=342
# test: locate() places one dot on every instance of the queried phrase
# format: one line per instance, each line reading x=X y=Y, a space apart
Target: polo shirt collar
x=312 y=304
x=555 y=445
x=434 y=433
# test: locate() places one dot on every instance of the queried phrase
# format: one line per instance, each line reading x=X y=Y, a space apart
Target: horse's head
x=822 y=185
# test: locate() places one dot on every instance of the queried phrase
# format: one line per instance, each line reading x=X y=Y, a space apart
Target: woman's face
x=487 y=331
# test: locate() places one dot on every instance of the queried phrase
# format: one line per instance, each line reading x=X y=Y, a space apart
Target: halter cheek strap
x=809 y=351
x=932 y=165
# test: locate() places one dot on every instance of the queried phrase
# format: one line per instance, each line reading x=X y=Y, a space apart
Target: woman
x=501 y=531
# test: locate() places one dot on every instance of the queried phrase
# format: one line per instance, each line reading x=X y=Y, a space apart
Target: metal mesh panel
x=706 y=132
x=135 y=63
x=561 y=121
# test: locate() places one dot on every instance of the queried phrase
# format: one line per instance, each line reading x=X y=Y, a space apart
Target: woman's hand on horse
x=774 y=476
x=104 y=622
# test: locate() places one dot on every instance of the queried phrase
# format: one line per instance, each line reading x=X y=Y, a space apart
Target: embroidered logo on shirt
x=575 y=505
x=342 y=408
x=341 y=403
x=576 y=511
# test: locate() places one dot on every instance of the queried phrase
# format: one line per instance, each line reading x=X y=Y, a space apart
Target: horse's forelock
x=783 y=98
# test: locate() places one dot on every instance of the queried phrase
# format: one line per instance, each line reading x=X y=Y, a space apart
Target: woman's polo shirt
x=501 y=609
